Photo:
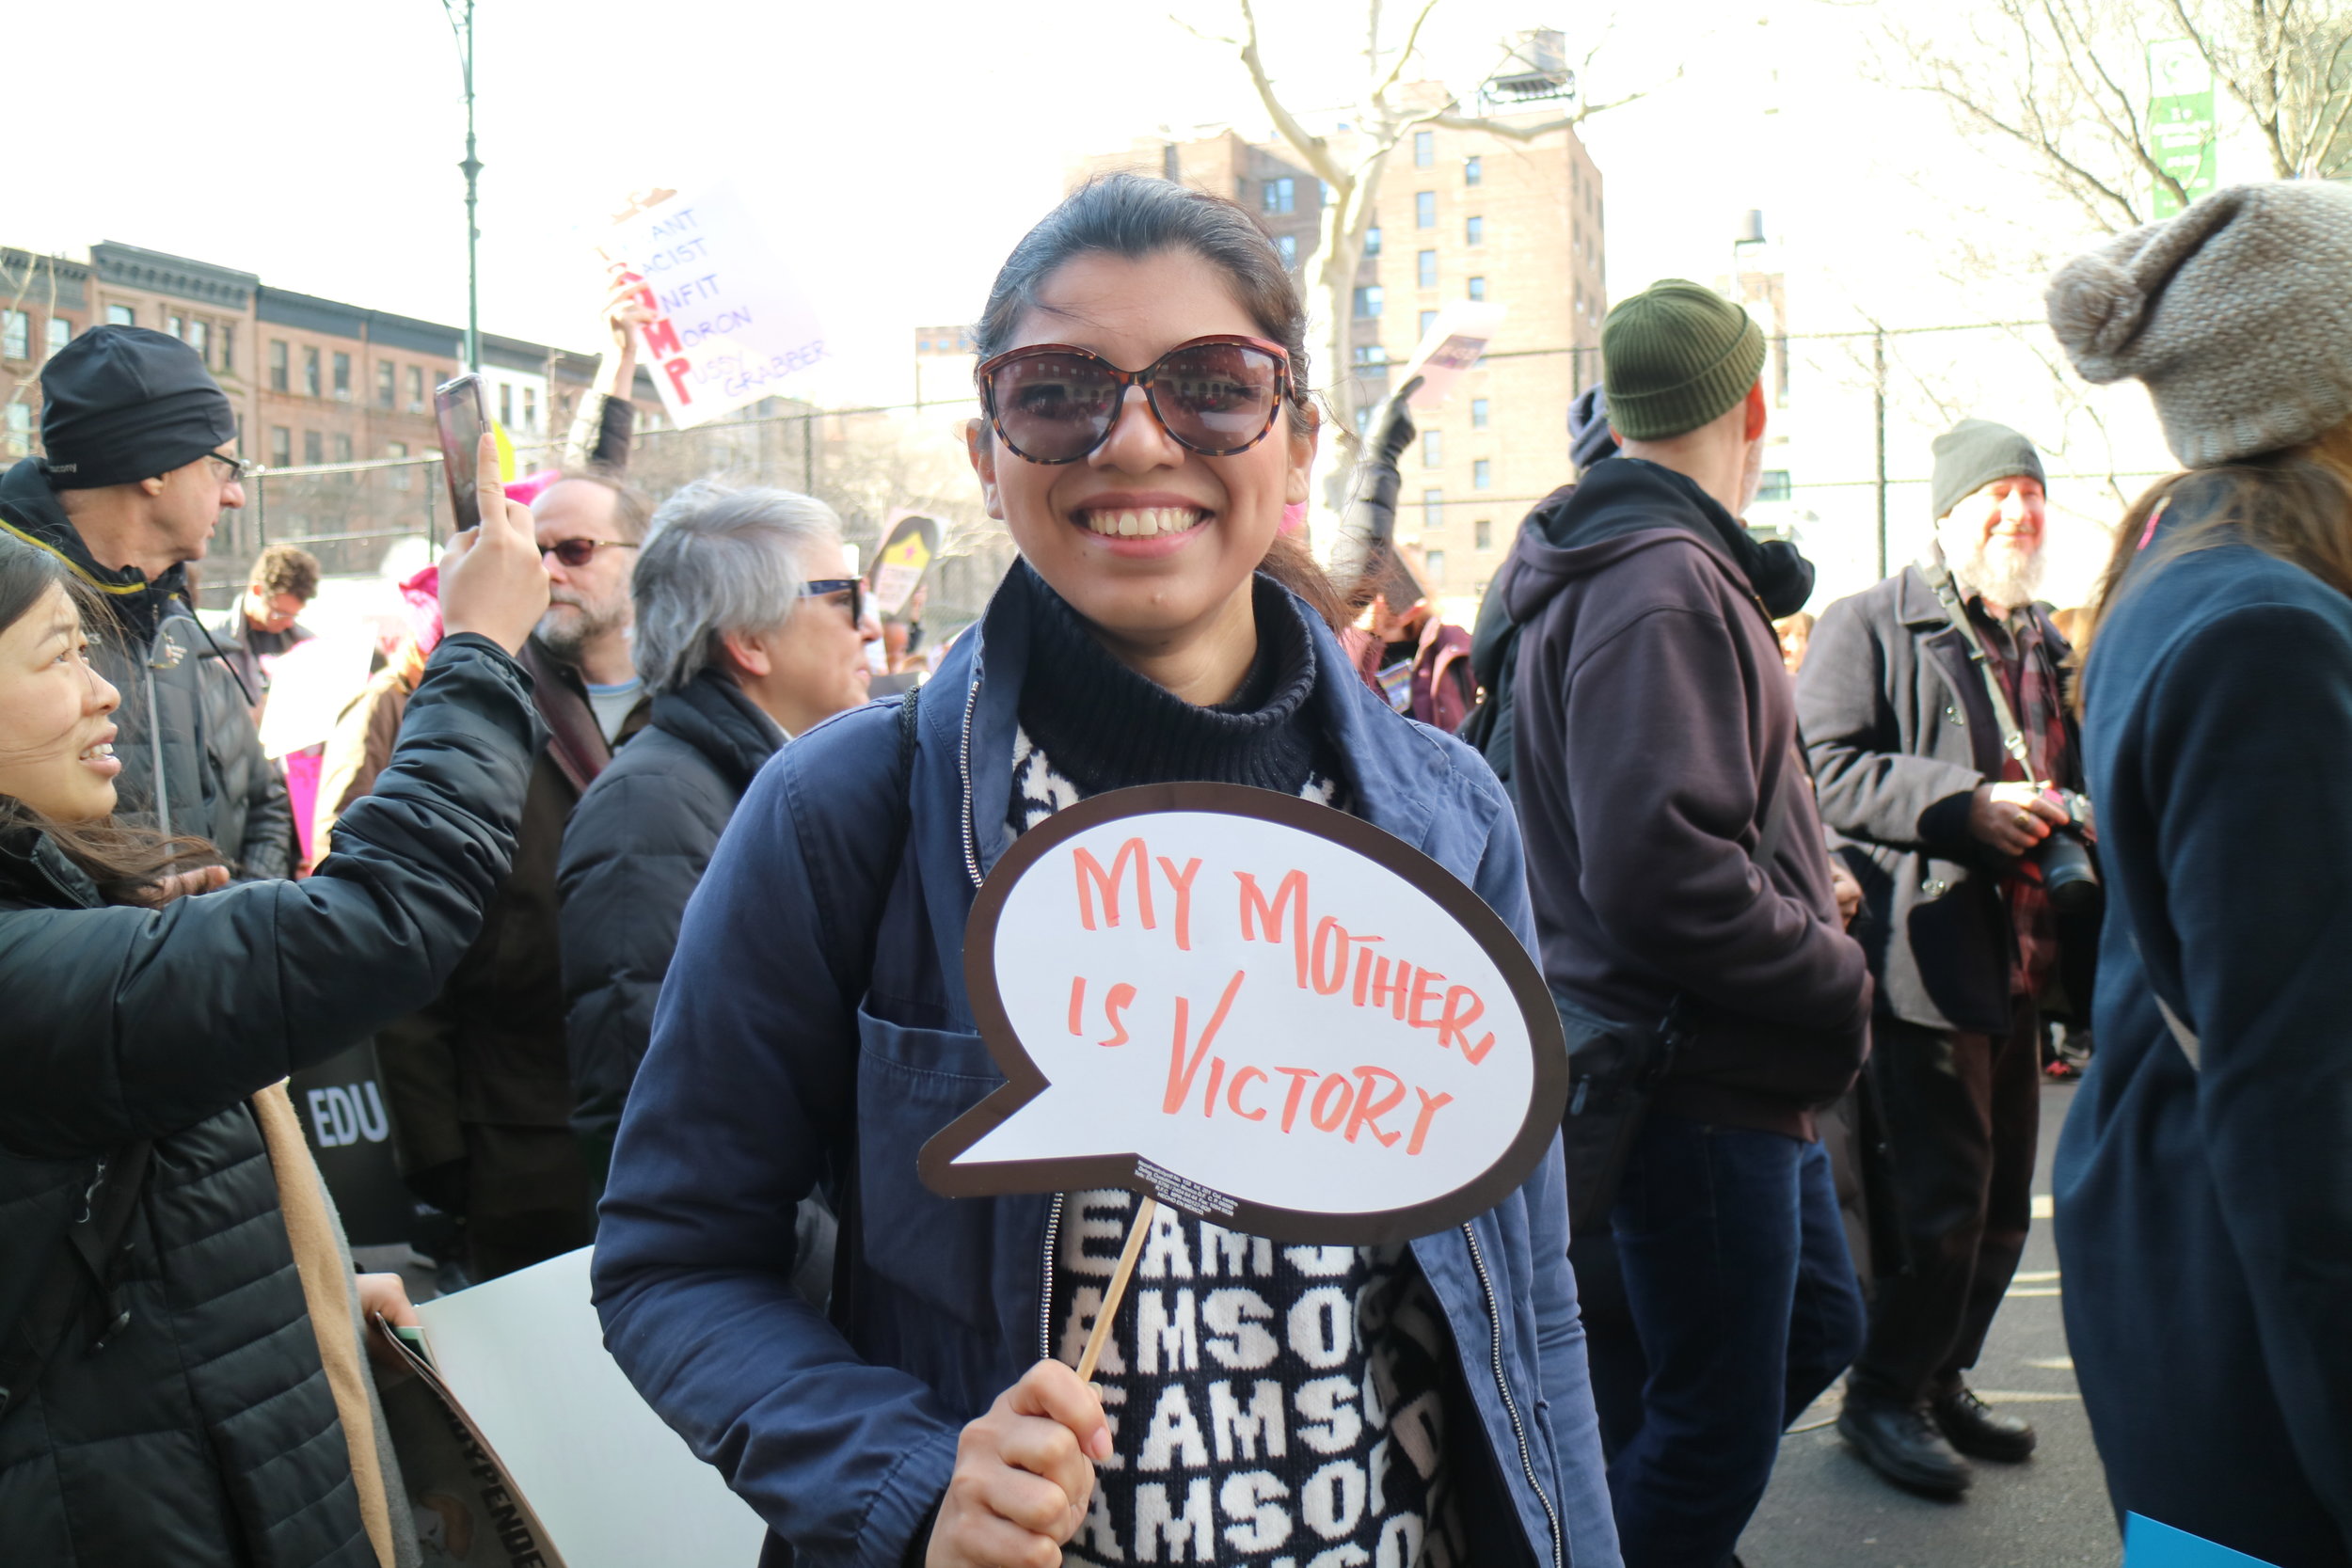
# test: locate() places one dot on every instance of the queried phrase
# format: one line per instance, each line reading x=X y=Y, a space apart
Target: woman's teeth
x=103 y=749
x=1144 y=522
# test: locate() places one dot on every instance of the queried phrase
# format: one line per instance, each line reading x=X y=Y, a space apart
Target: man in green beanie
x=1942 y=818
x=1676 y=864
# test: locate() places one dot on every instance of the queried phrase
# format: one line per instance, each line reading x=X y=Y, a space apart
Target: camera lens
x=2068 y=873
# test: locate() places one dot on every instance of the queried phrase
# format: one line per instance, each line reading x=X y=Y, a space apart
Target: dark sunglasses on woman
x=1218 y=396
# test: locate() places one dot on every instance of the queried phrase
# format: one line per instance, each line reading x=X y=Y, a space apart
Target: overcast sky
x=900 y=145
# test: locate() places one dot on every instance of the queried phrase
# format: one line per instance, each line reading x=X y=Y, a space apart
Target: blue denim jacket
x=814 y=1023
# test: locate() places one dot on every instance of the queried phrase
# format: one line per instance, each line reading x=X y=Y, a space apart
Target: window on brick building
x=416 y=389
x=200 y=339
x=1473 y=231
x=343 y=377
x=1776 y=485
x=1483 y=533
x=310 y=373
x=314 y=448
x=1435 y=561
x=60 y=333
x=1425 y=266
x=1483 y=474
x=342 y=449
x=280 y=447
x=386 y=384
x=1368 y=301
x=530 y=408
x=121 y=315
x=1432 y=509
x=176 y=326
x=1372 y=240
x=1478 y=288
x=400 y=476
x=1424 y=148
x=228 y=348
x=1478 y=413
x=16 y=335
x=1288 y=245
x=1279 y=196
x=1371 y=354
x=1432 y=449
x=277 y=365
x=1428 y=320
x=1473 y=172
x=1425 y=209
x=19 y=430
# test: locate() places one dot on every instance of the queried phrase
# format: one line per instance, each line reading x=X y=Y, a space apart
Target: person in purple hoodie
x=1655 y=741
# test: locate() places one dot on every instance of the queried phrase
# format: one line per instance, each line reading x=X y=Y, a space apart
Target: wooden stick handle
x=1100 y=1335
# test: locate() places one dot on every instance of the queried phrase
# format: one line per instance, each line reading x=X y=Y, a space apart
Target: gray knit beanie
x=2237 y=314
x=1975 y=453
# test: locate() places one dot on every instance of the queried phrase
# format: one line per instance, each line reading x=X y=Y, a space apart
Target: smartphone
x=464 y=415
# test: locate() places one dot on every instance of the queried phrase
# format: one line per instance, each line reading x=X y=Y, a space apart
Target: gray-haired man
x=750 y=629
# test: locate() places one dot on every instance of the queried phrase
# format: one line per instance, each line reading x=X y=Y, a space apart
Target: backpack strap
x=84 y=1261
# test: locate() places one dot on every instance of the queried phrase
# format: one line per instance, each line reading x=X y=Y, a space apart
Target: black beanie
x=1972 y=455
x=123 y=404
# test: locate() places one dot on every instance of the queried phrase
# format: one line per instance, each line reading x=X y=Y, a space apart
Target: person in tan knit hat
x=2205 y=1176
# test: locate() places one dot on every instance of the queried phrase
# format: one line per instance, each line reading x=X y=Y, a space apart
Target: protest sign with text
x=730 y=326
x=1262 y=1010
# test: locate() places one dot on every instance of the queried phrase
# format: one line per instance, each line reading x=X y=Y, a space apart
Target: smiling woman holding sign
x=1084 y=921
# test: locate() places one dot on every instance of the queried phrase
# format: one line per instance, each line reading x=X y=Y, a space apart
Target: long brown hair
x=2295 y=504
x=1133 y=215
x=128 y=864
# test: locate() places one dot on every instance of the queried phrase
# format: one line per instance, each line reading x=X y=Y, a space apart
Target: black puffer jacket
x=204 y=1434
x=637 y=843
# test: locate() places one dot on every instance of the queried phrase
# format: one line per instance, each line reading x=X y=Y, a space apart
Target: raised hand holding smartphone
x=493 y=580
x=462 y=415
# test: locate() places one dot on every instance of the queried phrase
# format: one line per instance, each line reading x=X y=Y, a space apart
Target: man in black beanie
x=1938 y=724
x=139 y=463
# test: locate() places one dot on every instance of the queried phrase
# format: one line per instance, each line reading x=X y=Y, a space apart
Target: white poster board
x=1259 y=1010
x=730 y=324
x=1452 y=344
x=615 y=1487
x=309 y=685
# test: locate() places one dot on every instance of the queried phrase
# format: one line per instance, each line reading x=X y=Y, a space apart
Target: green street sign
x=2181 y=131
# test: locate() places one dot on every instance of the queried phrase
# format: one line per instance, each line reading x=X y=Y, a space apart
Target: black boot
x=1975 y=1428
x=1901 y=1444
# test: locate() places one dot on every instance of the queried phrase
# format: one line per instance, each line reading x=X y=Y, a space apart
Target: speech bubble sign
x=1259 y=1010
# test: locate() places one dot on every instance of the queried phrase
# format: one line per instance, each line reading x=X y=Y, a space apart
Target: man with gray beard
x=480 y=1079
x=1935 y=715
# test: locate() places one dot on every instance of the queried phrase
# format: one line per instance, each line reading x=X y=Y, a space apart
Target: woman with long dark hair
x=181 y=1376
x=1145 y=421
x=2205 y=1176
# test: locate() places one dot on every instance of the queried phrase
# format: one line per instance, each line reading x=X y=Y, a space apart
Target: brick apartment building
x=314 y=382
x=1460 y=215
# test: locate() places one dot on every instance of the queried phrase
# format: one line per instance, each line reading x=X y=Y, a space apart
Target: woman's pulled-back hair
x=1133 y=215
x=126 y=863
x=2295 y=504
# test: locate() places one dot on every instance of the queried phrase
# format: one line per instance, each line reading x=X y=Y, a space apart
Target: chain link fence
x=1846 y=470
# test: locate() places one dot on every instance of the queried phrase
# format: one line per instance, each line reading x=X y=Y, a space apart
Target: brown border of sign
x=1024 y=1082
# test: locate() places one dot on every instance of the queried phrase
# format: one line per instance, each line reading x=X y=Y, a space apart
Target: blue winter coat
x=815 y=1019
x=2204 y=1212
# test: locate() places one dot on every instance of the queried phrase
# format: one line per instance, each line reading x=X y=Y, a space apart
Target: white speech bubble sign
x=1261 y=1011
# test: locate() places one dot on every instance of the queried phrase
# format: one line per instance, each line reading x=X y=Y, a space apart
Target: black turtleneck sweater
x=1106 y=727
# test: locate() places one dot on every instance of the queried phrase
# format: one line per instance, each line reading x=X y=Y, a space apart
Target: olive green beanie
x=1675 y=357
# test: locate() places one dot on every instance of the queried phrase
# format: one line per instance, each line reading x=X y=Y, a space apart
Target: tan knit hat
x=2237 y=314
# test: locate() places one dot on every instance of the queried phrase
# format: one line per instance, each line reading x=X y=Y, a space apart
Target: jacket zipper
x=1045 y=1294
x=155 y=755
x=971 y=866
x=1511 y=1405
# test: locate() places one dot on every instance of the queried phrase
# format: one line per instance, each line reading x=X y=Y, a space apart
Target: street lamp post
x=471 y=169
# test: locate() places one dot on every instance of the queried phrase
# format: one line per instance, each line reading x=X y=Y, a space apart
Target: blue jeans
x=1741 y=1286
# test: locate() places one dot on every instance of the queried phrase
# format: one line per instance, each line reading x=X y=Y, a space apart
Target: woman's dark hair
x=127 y=864
x=2295 y=504
x=1134 y=216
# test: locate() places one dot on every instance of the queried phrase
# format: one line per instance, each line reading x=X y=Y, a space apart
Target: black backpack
x=1490 y=727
